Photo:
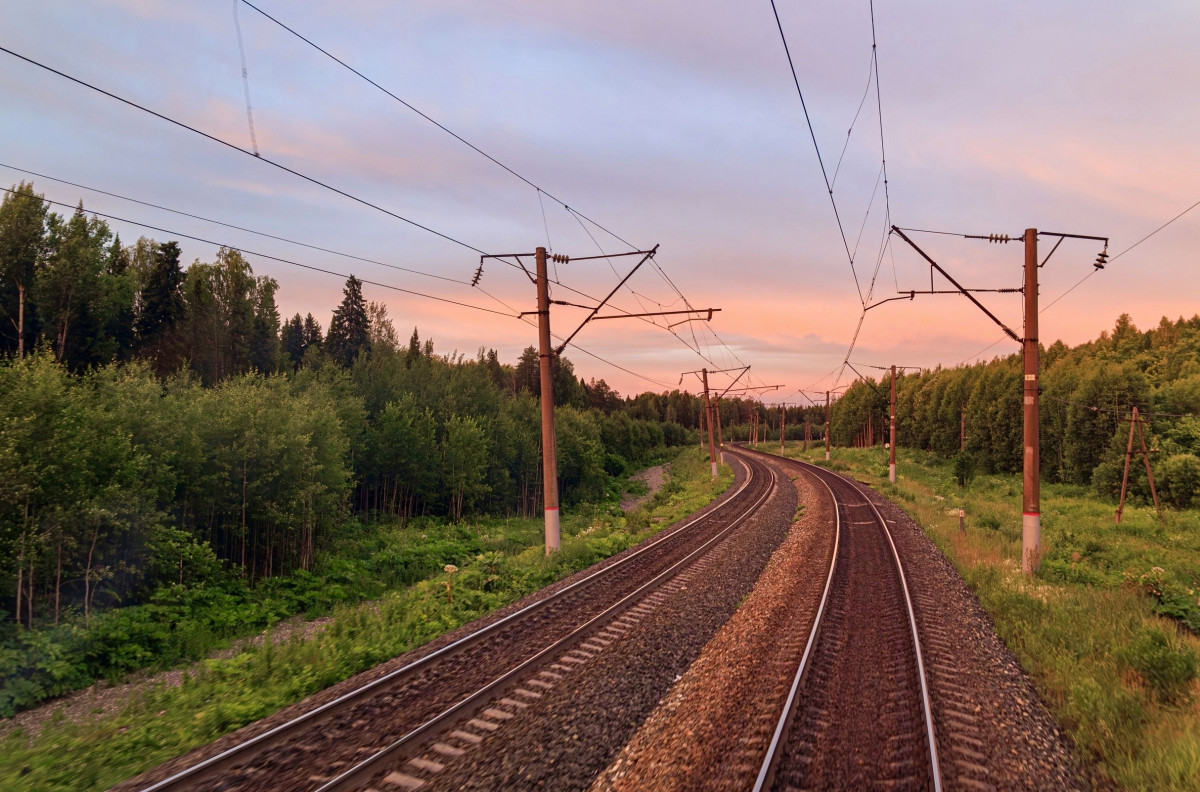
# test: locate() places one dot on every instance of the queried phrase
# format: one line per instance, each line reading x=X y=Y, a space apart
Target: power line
x=541 y=191
x=272 y=258
x=238 y=148
x=231 y=225
x=820 y=161
x=322 y=184
x=1081 y=281
x=879 y=110
x=341 y=275
x=433 y=121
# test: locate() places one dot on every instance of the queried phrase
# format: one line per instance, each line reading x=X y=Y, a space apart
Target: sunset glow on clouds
x=671 y=123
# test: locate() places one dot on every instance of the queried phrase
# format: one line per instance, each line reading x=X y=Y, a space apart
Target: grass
x=219 y=696
x=1106 y=629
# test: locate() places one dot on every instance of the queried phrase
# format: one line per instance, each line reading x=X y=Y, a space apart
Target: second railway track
x=343 y=743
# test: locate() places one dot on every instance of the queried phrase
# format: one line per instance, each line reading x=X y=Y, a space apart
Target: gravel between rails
x=993 y=730
x=288 y=713
x=711 y=732
x=575 y=730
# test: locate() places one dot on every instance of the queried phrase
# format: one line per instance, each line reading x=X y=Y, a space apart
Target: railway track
x=402 y=727
x=858 y=713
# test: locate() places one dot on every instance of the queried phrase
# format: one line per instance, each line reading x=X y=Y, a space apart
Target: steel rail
x=771 y=759
x=362 y=772
x=767 y=772
x=262 y=742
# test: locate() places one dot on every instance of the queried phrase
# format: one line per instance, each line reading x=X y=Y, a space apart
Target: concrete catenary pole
x=892 y=433
x=549 y=445
x=712 y=448
x=826 y=426
x=782 y=428
x=962 y=430
x=1031 y=512
x=720 y=438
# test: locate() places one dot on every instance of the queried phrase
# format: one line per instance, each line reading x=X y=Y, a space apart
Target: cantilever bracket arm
x=735 y=379
x=649 y=254
x=957 y=285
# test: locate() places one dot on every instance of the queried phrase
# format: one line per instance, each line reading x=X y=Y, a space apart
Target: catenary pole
x=826 y=426
x=549 y=447
x=720 y=437
x=712 y=450
x=892 y=433
x=1031 y=513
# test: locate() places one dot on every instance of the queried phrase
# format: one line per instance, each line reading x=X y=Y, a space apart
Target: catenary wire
x=820 y=161
x=540 y=190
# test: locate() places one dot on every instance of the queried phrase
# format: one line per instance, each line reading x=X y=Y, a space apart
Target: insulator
x=999 y=238
x=559 y=258
x=478 y=275
x=1102 y=259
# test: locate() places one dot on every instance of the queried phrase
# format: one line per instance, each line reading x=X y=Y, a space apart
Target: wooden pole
x=1125 y=475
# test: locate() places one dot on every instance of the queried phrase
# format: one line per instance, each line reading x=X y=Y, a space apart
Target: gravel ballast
x=713 y=728
x=575 y=730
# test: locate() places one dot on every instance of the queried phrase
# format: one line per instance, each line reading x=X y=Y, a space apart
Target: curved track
x=858 y=714
x=345 y=742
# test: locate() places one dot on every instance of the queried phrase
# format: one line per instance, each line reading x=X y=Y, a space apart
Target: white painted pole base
x=826 y=456
x=1031 y=542
x=722 y=456
x=714 y=471
x=553 y=535
x=892 y=472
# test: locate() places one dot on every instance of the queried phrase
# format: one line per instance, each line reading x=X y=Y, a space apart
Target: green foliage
x=1167 y=669
x=220 y=695
x=1179 y=480
x=964 y=468
x=349 y=329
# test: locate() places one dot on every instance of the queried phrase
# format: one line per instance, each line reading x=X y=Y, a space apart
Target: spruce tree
x=292 y=337
x=349 y=329
x=161 y=309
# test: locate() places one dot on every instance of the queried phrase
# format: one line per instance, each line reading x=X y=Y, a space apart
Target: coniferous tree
x=265 y=350
x=350 y=329
x=292 y=340
x=161 y=310
x=414 y=350
x=313 y=334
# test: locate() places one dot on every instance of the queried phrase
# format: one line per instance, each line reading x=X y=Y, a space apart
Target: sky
x=675 y=124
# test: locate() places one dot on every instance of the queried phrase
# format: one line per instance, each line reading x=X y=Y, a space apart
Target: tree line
x=1088 y=392
x=160 y=424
